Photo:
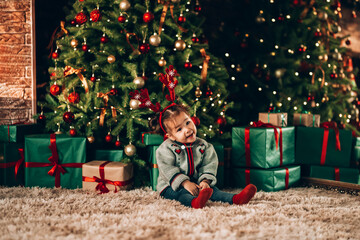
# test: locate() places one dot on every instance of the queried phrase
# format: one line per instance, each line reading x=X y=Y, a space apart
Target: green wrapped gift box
x=108 y=155
x=309 y=147
x=268 y=180
x=263 y=151
x=54 y=160
x=11 y=164
x=350 y=175
x=16 y=133
x=154 y=171
x=150 y=139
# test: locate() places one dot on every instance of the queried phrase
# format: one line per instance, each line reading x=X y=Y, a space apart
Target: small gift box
x=263 y=146
x=11 y=164
x=350 y=175
x=268 y=180
x=150 y=139
x=323 y=146
x=105 y=176
x=16 y=133
x=54 y=160
x=307 y=120
x=276 y=119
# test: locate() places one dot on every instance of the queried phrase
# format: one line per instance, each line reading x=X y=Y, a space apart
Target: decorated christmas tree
x=287 y=56
x=106 y=49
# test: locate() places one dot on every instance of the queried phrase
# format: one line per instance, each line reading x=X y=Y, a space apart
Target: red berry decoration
x=221 y=121
x=68 y=117
x=317 y=34
x=197 y=8
x=95 y=15
x=148 y=17
x=80 y=18
x=108 y=138
x=181 y=19
x=73 y=22
x=55 y=55
x=195 y=120
x=333 y=75
x=41 y=117
x=74 y=97
x=53 y=74
x=122 y=19
x=271 y=108
x=302 y=49
x=209 y=93
x=55 y=90
x=188 y=65
x=85 y=47
x=195 y=39
x=281 y=18
x=144 y=48
x=114 y=91
x=117 y=143
x=72 y=132
x=104 y=39
x=93 y=78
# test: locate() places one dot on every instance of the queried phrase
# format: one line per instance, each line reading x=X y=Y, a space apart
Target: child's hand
x=191 y=187
x=204 y=185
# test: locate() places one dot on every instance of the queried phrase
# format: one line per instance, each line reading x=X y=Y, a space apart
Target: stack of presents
x=269 y=154
x=29 y=158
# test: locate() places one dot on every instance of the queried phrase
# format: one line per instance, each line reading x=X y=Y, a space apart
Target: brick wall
x=17 y=96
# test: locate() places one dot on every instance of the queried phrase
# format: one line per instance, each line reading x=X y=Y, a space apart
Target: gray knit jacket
x=178 y=162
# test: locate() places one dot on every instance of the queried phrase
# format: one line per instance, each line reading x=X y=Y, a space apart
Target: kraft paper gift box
x=105 y=176
x=258 y=147
x=350 y=175
x=318 y=146
x=307 y=120
x=154 y=170
x=276 y=119
x=268 y=180
x=150 y=139
x=108 y=155
x=54 y=160
x=11 y=164
x=16 y=133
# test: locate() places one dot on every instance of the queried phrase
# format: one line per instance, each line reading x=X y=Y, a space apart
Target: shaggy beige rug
x=298 y=213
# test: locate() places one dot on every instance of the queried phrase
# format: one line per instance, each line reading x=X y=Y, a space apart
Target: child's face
x=181 y=128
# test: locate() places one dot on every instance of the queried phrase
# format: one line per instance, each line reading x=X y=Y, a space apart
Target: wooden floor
x=342 y=187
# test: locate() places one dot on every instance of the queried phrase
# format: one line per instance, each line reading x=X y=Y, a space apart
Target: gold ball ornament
x=124 y=5
x=134 y=103
x=198 y=92
x=180 y=45
x=74 y=43
x=155 y=40
x=91 y=139
x=111 y=59
x=139 y=82
x=162 y=62
x=130 y=150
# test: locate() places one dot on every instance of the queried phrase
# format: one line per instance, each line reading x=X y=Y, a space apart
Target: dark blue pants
x=184 y=196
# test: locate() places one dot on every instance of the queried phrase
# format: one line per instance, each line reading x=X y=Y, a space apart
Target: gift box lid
x=151 y=139
x=109 y=155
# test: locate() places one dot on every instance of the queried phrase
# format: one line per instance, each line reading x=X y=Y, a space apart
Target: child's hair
x=168 y=113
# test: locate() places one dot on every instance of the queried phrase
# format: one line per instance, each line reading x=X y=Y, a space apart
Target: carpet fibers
x=298 y=213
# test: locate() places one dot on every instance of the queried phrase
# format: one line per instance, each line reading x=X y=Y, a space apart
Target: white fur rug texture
x=298 y=213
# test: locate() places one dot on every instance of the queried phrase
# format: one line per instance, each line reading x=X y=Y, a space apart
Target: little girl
x=188 y=164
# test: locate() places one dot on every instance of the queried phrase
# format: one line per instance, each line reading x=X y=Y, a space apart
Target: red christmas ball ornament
x=281 y=18
x=347 y=42
x=148 y=17
x=271 y=108
x=53 y=74
x=209 y=93
x=81 y=0
x=72 y=132
x=41 y=117
x=221 y=121
x=69 y=117
x=85 y=47
x=95 y=15
x=93 y=78
x=333 y=75
x=244 y=44
x=117 y=143
x=74 y=97
x=197 y=8
x=122 y=18
x=80 y=18
x=296 y=2
x=114 y=92
x=188 y=65
x=302 y=49
x=181 y=19
x=104 y=39
x=195 y=39
x=55 y=89
x=195 y=120
x=108 y=138
x=55 y=55
x=310 y=98
x=317 y=34
x=144 y=48
x=73 y=22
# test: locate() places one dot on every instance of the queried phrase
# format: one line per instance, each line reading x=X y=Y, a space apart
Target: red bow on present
x=17 y=164
x=327 y=126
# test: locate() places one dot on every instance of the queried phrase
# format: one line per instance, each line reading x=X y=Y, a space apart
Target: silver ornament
x=134 y=103
x=130 y=150
x=155 y=40
x=125 y=5
x=139 y=82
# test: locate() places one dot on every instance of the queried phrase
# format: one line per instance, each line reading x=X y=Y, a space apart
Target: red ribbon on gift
x=101 y=186
x=17 y=164
x=54 y=161
x=260 y=124
x=247 y=177
x=286 y=178
x=337 y=174
x=327 y=126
